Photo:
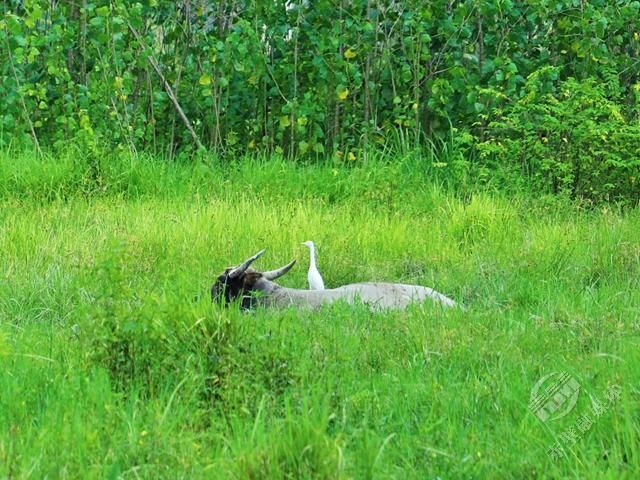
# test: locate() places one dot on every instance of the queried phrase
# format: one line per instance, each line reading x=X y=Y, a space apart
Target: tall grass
x=389 y=177
x=115 y=364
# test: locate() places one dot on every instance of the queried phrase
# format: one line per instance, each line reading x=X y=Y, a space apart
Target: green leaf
x=342 y=93
x=96 y=22
x=284 y=121
x=205 y=80
x=14 y=25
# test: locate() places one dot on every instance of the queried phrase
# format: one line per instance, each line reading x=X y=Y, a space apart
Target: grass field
x=114 y=363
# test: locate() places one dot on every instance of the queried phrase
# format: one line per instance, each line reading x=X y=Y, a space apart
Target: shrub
x=574 y=138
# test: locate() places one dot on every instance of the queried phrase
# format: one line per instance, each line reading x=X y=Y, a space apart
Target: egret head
x=239 y=282
x=309 y=244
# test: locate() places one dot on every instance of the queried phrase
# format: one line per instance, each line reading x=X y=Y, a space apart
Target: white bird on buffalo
x=315 y=279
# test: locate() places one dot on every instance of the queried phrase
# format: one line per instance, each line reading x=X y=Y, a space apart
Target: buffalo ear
x=250 y=279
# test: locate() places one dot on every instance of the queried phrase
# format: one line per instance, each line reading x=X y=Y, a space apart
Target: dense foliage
x=332 y=78
x=576 y=140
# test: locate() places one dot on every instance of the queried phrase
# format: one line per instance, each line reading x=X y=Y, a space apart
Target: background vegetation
x=548 y=90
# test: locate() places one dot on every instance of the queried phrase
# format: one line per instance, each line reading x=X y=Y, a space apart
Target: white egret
x=315 y=279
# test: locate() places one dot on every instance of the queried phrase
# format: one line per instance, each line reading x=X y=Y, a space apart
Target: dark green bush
x=291 y=77
x=309 y=79
x=575 y=138
x=143 y=335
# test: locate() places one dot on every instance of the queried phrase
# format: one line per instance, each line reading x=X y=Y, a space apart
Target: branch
x=167 y=87
x=24 y=105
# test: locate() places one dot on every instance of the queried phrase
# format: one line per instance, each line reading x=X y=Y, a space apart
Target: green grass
x=113 y=363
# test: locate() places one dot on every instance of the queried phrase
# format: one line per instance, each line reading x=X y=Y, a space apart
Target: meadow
x=115 y=364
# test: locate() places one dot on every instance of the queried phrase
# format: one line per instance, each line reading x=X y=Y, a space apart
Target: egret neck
x=314 y=277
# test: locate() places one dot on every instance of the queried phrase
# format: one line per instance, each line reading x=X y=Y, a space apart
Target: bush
x=573 y=137
x=300 y=79
x=143 y=337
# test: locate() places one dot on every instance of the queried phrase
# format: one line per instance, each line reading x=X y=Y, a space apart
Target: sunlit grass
x=114 y=363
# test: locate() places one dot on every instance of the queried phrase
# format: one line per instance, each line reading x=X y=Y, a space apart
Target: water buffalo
x=254 y=288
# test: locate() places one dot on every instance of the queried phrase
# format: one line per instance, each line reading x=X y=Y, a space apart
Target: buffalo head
x=243 y=283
